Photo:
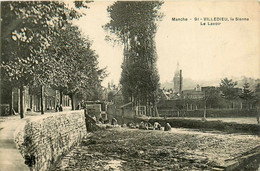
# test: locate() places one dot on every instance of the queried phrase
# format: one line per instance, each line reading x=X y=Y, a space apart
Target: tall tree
x=134 y=24
x=212 y=97
x=247 y=95
x=228 y=89
x=77 y=72
x=257 y=88
x=28 y=28
x=257 y=95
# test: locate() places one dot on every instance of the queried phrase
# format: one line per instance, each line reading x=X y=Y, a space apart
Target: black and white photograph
x=103 y=85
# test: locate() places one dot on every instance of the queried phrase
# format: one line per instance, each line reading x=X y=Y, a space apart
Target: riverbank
x=180 y=149
x=207 y=124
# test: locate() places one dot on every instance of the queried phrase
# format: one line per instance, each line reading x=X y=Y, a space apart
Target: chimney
x=180 y=81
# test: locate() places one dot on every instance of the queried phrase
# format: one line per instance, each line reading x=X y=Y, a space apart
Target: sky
x=204 y=52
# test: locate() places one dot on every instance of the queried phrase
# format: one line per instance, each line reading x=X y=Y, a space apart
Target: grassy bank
x=229 y=127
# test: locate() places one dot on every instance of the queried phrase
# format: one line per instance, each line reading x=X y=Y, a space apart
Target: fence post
x=257 y=115
x=205 y=112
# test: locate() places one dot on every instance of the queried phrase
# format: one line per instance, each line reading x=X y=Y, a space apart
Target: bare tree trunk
x=147 y=106
x=61 y=94
x=21 y=102
x=11 y=103
x=156 y=110
x=205 y=112
x=42 y=98
x=18 y=101
x=72 y=102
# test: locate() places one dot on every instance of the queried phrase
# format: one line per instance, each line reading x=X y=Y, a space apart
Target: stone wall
x=44 y=139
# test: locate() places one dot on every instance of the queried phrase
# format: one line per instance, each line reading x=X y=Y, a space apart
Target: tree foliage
x=246 y=93
x=228 y=89
x=248 y=96
x=76 y=63
x=41 y=47
x=257 y=94
x=134 y=24
x=213 y=97
x=28 y=29
x=257 y=88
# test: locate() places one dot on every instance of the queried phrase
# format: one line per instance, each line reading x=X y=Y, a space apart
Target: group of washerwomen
x=149 y=126
x=144 y=125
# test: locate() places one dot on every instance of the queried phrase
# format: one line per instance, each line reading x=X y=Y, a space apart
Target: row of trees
x=134 y=26
x=40 y=47
x=227 y=95
x=228 y=92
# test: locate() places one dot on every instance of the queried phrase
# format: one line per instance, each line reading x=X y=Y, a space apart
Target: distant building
x=208 y=88
x=32 y=99
x=179 y=93
x=192 y=94
x=164 y=95
x=115 y=97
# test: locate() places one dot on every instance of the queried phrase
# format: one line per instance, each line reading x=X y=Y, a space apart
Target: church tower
x=177 y=80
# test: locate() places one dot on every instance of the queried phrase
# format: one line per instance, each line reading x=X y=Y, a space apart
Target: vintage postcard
x=130 y=85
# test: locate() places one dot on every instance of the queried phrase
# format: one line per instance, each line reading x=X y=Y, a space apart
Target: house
x=118 y=98
x=164 y=95
x=192 y=94
x=32 y=100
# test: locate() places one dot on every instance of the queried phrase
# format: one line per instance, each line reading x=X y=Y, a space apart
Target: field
x=179 y=149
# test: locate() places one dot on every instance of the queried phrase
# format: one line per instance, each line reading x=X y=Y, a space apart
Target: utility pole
x=205 y=107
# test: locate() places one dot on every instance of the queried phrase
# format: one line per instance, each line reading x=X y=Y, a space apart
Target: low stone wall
x=44 y=139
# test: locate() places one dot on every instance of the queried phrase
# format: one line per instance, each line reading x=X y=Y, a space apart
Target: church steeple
x=177 y=71
x=177 y=79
